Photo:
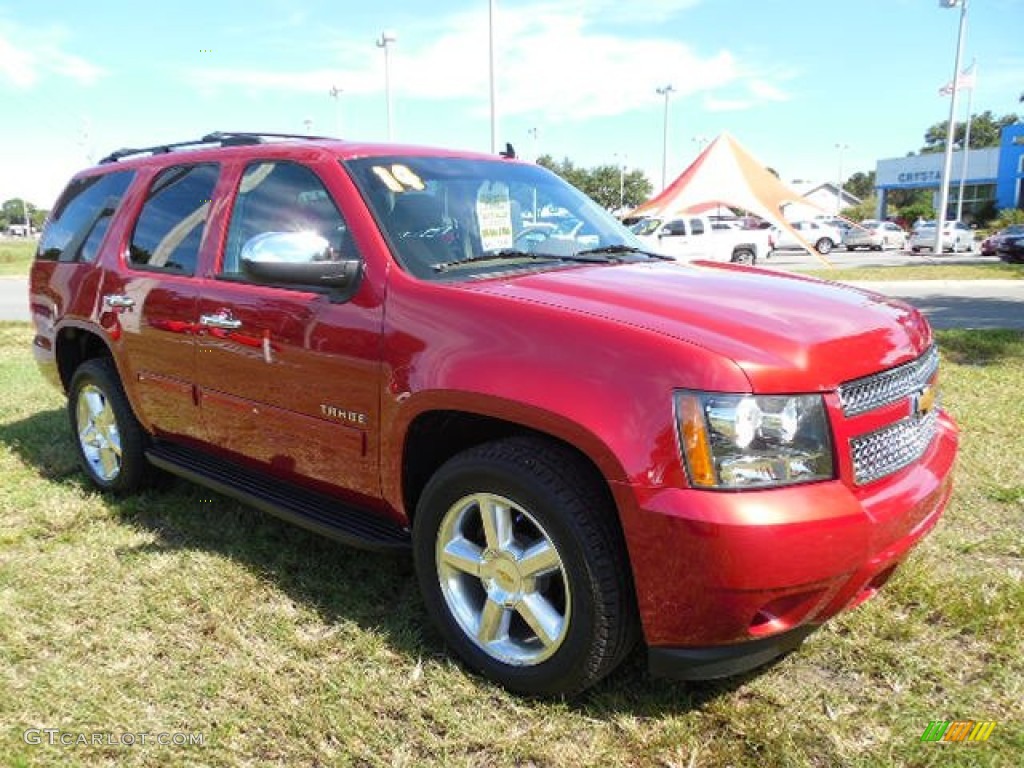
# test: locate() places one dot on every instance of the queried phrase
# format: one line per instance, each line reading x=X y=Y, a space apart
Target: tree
x=865 y=209
x=985 y=130
x=601 y=183
x=13 y=210
x=861 y=184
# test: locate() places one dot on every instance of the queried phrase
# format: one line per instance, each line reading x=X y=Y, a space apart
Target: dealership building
x=993 y=177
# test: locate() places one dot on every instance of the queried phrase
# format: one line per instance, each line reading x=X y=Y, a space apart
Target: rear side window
x=81 y=216
x=170 y=228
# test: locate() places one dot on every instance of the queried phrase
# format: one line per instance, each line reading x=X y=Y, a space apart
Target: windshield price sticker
x=494 y=216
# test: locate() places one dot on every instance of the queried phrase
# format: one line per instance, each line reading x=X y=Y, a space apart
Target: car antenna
x=509 y=153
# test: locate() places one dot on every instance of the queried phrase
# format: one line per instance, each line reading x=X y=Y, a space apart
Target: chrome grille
x=893 y=447
x=874 y=391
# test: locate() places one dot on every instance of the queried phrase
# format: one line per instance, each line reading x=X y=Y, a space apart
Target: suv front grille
x=892 y=448
x=866 y=394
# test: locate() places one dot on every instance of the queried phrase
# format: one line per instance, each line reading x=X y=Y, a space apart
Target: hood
x=787 y=333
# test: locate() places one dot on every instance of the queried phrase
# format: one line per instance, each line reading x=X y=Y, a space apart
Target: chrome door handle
x=220 y=320
x=118 y=301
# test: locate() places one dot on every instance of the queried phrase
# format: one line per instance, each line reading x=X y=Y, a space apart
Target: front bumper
x=716 y=571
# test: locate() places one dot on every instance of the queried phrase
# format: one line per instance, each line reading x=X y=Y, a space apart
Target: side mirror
x=303 y=258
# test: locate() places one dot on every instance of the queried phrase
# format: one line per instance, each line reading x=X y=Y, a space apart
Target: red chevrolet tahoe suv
x=579 y=441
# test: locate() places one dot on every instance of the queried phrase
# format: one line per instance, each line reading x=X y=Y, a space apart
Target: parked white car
x=956 y=237
x=875 y=235
x=824 y=237
x=690 y=237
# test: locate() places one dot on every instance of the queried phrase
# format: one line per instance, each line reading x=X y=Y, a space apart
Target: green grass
x=179 y=610
x=999 y=271
x=16 y=256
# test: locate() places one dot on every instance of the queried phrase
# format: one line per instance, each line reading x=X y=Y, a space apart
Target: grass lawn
x=16 y=256
x=182 y=612
x=1000 y=271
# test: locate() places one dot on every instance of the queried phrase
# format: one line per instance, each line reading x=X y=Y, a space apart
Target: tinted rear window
x=170 y=228
x=80 y=218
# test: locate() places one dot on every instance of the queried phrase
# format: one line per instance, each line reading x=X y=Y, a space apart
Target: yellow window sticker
x=494 y=216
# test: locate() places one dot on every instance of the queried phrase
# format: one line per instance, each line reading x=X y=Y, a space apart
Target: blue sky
x=789 y=79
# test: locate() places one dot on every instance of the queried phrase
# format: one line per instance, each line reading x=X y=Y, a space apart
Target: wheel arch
x=435 y=435
x=73 y=346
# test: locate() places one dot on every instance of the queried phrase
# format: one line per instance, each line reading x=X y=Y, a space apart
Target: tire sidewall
x=460 y=479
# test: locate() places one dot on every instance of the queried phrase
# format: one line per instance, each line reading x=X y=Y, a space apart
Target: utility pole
x=947 y=163
x=387 y=39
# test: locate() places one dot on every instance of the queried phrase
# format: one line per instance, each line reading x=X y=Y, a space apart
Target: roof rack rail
x=222 y=138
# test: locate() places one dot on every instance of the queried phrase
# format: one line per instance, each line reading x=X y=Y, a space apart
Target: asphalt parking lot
x=843 y=259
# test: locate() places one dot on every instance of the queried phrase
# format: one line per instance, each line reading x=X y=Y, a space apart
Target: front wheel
x=523 y=568
x=110 y=441
x=824 y=245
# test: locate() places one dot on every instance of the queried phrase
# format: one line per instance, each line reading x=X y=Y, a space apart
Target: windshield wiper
x=615 y=249
x=512 y=254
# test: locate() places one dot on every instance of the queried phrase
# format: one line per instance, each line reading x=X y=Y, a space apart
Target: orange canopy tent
x=726 y=174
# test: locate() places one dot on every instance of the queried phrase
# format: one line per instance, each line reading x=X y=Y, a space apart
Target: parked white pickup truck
x=691 y=237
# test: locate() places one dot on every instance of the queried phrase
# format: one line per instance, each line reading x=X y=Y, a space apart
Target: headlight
x=753 y=441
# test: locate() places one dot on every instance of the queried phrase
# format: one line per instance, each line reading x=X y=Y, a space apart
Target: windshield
x=453 y=218
x=645 y=227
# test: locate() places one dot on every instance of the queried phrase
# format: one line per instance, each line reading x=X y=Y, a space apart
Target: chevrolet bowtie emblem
x=922 y=402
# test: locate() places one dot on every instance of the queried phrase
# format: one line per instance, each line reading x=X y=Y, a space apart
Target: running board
x=314 y=511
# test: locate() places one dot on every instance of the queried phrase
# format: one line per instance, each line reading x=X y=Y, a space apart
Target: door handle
x=118 y=301
x=220 y=320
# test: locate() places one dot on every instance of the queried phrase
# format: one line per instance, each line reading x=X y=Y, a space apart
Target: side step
x=314 y=511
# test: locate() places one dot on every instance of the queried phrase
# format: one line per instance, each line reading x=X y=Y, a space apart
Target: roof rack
x=221 y=138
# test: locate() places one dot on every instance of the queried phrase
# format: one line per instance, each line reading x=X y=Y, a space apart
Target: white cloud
x=39 y=54
x=550 y=58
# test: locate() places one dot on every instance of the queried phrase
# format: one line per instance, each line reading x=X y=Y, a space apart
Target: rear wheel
x=110 y=441
x=824 y=245
x=523 y=568
x=744 y=256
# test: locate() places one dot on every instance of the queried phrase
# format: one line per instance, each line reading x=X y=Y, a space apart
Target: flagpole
x=967 y=142
x=947 y=163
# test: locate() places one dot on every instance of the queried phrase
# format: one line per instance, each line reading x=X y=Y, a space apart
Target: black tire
x=550 y=491
x=824 y=246
x=744 y=256
x=125 y=470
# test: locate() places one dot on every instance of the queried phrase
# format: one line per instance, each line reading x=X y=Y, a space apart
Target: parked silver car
x=956 y=237
x=875 y=235
x=822 y=236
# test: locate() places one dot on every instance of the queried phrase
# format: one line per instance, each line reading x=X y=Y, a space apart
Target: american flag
x=964 y=81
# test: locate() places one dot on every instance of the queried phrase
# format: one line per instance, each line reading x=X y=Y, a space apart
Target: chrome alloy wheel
x=503 y=579
x=98 y=433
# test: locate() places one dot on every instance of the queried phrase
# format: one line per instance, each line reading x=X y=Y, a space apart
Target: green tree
x=985 y=130
x=1007 y=217
x=601 y=183
x=861 y=184
x=13 y=210
x=866 y=209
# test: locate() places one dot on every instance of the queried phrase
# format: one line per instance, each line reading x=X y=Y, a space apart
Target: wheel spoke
x=95 y=403
x=108 y=460
x=497 y=521
x=542 y=617
x=494 y=621
x=539 y=559
x=463 y=555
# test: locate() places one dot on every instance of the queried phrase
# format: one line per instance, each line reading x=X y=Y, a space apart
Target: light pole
x=666 y=91
x=308 y=125
x=621 y=161
x=336 y=95
x=494 y=109
x=839 y=186
x=701 y=142
x=387 y=39
x=947 y=162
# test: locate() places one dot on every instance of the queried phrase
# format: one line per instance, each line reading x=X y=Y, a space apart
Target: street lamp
x=839 y=187
x=665 y=91
x=621 y=160
x=388 y=38
x=336 y=95
x=494 y=109
x=947 y=162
